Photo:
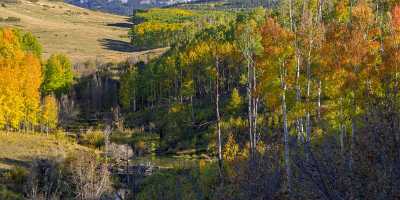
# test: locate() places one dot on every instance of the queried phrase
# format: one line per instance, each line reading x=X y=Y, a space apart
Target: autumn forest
x=288 y=99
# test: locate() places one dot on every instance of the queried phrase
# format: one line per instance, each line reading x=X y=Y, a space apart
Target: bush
x=12 y=19
x=16 y=176
x=9 y=1
x=140 y=148
x=48 y=179
x=6 y=194
x=93 y=138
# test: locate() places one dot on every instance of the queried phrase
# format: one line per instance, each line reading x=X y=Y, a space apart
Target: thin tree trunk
x=255 y=107
x=292 y=28
x=218 y=120
x=352 y=138
x=299 y=120
x=285 y=131
x=250 y=102
x=308 y=117
x=342 y=127
x=319 y=100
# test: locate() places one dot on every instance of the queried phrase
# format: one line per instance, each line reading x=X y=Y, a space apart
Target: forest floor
x=20 y=149
x=80 y=33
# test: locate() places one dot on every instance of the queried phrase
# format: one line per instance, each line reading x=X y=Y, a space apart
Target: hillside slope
x=19 y=149
x=63 y=28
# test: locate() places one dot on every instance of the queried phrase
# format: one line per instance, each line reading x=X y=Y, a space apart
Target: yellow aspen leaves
x=20 y=79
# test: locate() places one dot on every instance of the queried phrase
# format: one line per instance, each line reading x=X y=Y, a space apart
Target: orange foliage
x=396 y=17
x=20 y=79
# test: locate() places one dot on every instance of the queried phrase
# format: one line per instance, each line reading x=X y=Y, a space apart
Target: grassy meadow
x=19 y=149
x=77 y=32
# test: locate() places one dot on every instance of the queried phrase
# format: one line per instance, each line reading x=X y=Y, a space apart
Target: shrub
x=48 y=179
x=93 y=138
x=140 y=148
x=6 y=194
x=17 y=176
x=91 y=177
x=12 y=19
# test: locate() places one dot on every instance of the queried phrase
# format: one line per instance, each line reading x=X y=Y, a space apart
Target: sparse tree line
x=29 y=88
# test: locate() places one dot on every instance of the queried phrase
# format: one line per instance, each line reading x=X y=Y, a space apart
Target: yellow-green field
x=77 y=32
x=19 y=149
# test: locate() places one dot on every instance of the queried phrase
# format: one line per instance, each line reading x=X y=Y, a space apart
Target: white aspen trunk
x=285 y=130
x=218 y=119
x=255 y=107
x=299 y=120
x=308 y=120
x=250 y=97
x=319 y=99
x=320 y=25
x=308 y=117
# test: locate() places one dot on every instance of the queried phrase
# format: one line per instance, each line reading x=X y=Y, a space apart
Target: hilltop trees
x=157 y=28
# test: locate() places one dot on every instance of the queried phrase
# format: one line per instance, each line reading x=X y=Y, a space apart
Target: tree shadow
x=121 y=25
x=14 y=162
x=117 y=45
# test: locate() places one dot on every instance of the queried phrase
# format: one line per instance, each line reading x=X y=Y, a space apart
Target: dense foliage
x=21 y=76
x=305 y=95
x=157 y=27
x=298 y=101
x=22 y=103
x=58 y=76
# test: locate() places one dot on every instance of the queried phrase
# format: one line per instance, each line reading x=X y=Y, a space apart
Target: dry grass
x=19 y=149
x=80 y=33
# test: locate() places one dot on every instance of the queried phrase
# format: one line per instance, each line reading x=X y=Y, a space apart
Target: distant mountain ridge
x=127 y=7
x=123 y=7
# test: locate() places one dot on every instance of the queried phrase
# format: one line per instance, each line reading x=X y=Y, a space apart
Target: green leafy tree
x=58 y=75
